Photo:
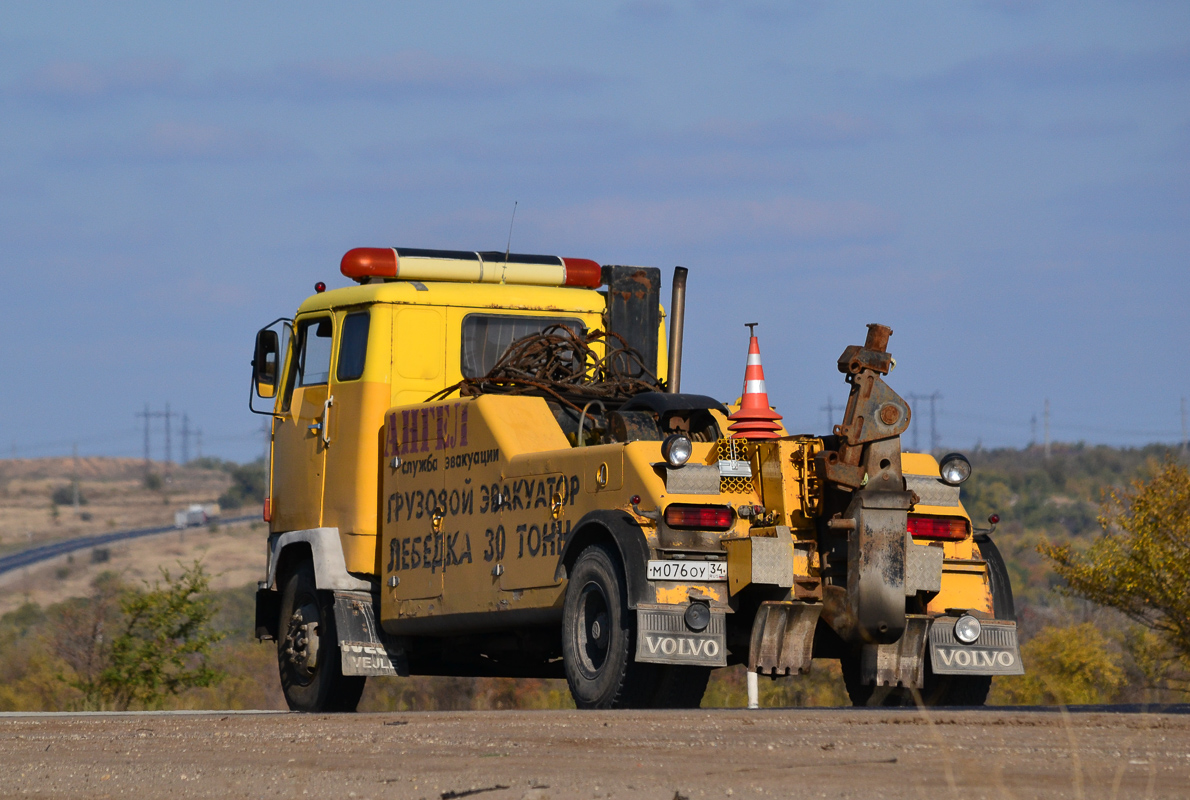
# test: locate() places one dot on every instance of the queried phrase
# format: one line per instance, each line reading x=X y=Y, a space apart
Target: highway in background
x=34 y=555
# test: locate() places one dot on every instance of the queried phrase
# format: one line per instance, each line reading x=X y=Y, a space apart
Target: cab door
x=299 y=440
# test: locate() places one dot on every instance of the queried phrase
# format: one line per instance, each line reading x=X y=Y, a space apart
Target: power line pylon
x=829 y=408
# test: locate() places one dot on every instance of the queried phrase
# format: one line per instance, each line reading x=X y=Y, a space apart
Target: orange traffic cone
x=755 y=418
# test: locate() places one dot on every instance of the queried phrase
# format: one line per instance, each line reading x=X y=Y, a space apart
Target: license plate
x=687 y=570
x=735 y=469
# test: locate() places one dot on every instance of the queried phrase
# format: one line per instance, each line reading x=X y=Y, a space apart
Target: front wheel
x=598 y=636
x=308 y=648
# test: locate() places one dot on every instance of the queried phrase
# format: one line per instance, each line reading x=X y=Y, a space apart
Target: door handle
x=322 y=427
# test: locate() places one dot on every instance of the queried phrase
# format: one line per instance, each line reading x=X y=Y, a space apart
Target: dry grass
x=114 y=488
x=234 y=556
x=117 y=500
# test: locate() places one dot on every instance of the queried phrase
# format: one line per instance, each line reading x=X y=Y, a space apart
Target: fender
x=626 y=534
x=330 y=569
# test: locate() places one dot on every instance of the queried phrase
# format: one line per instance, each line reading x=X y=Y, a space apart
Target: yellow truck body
x=417 y=531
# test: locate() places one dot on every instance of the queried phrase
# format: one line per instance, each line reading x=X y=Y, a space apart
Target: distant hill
x=36 y=495
x=1058 y=498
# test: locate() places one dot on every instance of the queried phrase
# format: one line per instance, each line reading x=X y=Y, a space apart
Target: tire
x=680 y=687
x=1003 y=606
x=324 y=687
x=938 y=690
x=955 y=690
x=866 y=694
x=599 y=636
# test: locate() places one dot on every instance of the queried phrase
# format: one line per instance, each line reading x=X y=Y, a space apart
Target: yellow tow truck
x=476 y=471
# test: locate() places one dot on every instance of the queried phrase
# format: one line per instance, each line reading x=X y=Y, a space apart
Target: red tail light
x=938 y=527
x=703 y=518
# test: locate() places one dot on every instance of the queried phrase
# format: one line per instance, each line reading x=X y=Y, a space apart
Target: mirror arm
x=252 y=381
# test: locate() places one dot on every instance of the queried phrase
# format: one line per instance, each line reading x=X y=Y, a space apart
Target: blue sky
x=1005 y=184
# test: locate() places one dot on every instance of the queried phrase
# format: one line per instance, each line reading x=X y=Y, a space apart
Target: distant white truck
x=196 y=514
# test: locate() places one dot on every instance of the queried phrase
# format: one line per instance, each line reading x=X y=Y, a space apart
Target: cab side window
x=311 y=348
x=314 y=354
x=353 y=347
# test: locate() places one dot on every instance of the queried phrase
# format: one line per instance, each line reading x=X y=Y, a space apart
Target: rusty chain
x=564 y=365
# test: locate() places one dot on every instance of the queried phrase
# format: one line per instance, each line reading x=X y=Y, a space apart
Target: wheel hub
x=301 y=639
x=595 y=629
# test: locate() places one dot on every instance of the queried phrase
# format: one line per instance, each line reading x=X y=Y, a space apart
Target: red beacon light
x=369 y=262
x=320 y=287
x=364 y=263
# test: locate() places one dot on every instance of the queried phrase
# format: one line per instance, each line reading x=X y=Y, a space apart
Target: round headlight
x=676 y=449
x=967 y=629
x=955 y=468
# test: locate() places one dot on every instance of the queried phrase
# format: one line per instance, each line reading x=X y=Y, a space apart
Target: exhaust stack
x=677 y=316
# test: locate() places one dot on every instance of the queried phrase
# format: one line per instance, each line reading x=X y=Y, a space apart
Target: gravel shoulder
x=533 y=755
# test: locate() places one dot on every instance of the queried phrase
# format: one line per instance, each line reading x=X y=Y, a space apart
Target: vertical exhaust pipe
x=677 y=317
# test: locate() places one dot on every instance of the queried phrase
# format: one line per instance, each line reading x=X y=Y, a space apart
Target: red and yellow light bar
x=467 y=267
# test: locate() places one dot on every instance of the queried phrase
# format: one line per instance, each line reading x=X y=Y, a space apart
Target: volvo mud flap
x=664 y=636
x=364 y=648
x=995 y=652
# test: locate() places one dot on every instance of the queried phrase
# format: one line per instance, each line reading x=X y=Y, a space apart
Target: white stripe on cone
x=754 y=387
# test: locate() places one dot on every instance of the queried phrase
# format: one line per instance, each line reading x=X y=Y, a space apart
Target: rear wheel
x=937 y=690
x=955 y=690
x=866 y=694
x=308 y=648
x=680 y=687
x=599 y=636
x=1003 y=605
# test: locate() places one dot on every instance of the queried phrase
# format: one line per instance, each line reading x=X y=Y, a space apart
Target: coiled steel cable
x=564 y=365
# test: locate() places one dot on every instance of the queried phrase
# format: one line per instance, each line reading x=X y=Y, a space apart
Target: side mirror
x=265 y=363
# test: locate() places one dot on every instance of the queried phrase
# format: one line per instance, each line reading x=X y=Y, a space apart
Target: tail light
x=703 y=518
x=938 y=527
x=268 y=509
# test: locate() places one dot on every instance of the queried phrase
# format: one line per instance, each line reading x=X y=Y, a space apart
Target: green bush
x=249 y=482
x=1064 y=666
x=64 y=496
x=159 y=646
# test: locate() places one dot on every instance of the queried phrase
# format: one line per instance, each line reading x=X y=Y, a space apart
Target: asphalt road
x=661 y=755
x=33 y=555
